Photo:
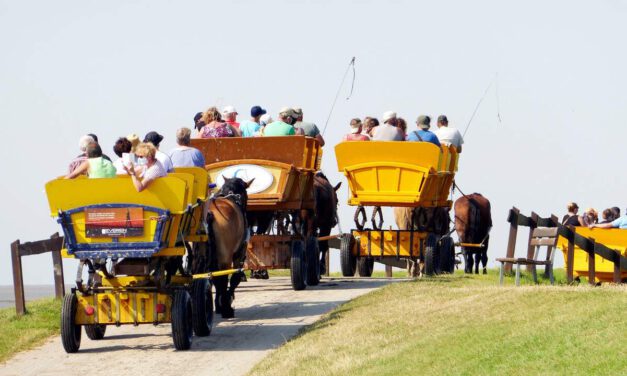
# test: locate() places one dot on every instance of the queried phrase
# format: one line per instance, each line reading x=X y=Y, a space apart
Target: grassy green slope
x=464 y=325
x=21 y=333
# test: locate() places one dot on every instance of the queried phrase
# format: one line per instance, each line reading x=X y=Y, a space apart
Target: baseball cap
x=286 y=111
x=423 y=122
x=442 y=119
x=388 y=115
x=154 y=138
x=229 y=110
x=197 y=117
x=298 y=111
x=257 y=111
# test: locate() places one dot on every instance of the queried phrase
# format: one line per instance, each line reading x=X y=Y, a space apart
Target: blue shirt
x=426 y=136
x=249 y=128
x=183 y=156
x=620 y=222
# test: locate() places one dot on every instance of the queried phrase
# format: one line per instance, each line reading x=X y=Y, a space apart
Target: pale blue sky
x=74 y=67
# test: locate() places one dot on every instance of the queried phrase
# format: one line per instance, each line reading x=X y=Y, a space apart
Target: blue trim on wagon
x=113 y=248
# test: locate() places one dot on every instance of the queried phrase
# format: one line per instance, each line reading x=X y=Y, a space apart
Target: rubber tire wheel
x=95 y=331
x=348 y=261
x=70 y=332
x=298 y=266
x=432 y=259
x=313 y=261
x=182 y=330
x=447 y=255
x=365 y=266
x=202 y=307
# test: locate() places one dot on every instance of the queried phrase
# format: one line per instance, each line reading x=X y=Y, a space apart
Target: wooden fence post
x=591 y=264
x=18 y=279
x=549 y=268
x=388 y=271
x=513 y=232
x=570 y=256
x=57 y=264
x=530 y=248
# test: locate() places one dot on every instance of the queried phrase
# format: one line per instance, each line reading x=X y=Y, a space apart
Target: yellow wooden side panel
x=392 y=240
x=424 y=154
x=165 y=193
x=201 y=180
x=604 y=269
x=123 y=308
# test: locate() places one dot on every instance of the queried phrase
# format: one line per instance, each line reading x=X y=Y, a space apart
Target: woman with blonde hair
x=215 y=127
x=149 y=168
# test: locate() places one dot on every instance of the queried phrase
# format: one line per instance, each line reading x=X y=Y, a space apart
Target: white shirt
x=165 y=160
x=119 y=167
x=450 y=136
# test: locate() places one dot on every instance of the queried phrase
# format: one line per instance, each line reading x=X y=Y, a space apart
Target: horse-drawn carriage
x=280 y=206
x=413 y=176
x=133 y=245
x=615 y=239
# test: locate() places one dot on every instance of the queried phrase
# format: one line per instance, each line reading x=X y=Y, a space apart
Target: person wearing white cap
x=229 y=114
x=355 y=134
x=283 y=126
x=388 y=130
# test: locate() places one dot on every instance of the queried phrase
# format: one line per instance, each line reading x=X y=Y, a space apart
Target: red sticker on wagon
x=114 y=222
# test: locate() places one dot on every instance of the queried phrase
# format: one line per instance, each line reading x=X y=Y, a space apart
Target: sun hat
x=388 y=115
x=424 y=122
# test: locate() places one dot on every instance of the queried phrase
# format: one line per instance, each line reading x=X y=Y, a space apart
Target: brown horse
x=473 y=221
x=325 y=217
x=435 y=220
x=228 y=236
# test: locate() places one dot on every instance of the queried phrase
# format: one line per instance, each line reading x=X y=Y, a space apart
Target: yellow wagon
x=133 y=244
x=416 y=175
x=283 y=170
x=615 y=239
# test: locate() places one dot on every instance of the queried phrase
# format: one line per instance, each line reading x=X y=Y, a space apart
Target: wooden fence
x=588 y=245
x=18 y=250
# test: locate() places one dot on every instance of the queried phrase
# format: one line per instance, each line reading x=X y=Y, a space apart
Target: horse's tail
x=475 y=220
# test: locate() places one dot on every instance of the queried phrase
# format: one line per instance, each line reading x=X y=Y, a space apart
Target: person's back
x=309 y=129
x=448 y=135
x=424 y=136
x=100 y=168
x=249 y=128
x=387 y=132
x=620 y=222
x=278 y=128
x=185 y=156
x=165 y=160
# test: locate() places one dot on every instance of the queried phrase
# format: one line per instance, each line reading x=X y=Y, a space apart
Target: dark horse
x=325 y=210
x=228 y=236
x=473 y=221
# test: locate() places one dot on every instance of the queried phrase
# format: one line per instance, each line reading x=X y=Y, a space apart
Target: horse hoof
x=228 y=313
x=485 y=271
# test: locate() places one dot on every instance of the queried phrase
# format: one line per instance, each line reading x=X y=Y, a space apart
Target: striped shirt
x=153 y=172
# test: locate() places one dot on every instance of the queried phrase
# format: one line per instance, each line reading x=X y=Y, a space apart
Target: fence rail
x=18 y=250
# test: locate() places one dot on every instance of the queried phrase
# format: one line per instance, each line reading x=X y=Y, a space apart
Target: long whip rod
x=351 y=64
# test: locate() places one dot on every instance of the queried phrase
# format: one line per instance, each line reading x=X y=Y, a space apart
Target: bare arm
x=82 y=169
x=601 y=225
x=140 y=185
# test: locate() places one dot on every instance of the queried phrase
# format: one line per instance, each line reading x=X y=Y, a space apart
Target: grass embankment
x=463 y=324
x=18 y=333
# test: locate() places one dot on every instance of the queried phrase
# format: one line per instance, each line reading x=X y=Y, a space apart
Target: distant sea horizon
x=31 y=292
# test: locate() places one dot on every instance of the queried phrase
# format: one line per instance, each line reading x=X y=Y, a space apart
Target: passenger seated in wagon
x=148 y=169
x=283 y=126
x=617 y=223
x=215 y=127
x=95 y=166
x=388 y=131
x=356 y=132
x=423 y=134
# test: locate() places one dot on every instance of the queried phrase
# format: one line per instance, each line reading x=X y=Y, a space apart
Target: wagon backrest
x=298 y=151
x=169 y=193
x=423 y=154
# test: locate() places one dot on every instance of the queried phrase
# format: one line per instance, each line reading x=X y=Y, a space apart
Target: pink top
x=356 y=137
x=216 y=129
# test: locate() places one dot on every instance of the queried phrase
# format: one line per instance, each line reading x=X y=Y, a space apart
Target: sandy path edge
x=268 y=313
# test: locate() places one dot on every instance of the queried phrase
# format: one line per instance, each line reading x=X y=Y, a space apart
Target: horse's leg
x=477 y=261
x=467 y=261
x=221 y=289
x=484 y=260
x=324 y=248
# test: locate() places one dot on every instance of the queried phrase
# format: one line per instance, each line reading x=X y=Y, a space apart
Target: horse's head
x=235 y=189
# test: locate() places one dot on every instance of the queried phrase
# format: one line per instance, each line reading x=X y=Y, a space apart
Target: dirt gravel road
x=268 y=313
